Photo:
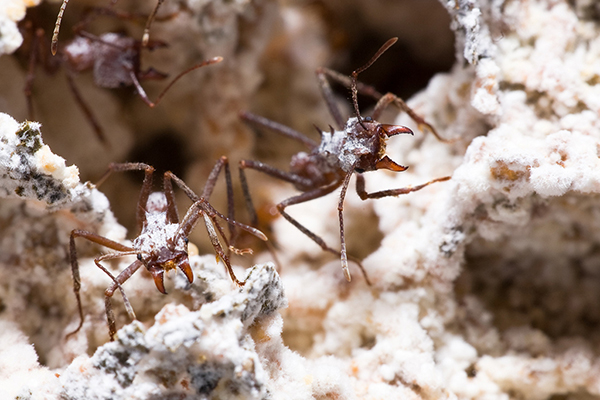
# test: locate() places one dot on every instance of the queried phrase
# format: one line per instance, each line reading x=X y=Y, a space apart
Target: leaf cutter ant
x=163 y=239
x=114 y=59
x=357 y=146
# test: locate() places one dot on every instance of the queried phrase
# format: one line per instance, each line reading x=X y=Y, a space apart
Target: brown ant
x=114 y=59
x=163 y=240
x=357 y=146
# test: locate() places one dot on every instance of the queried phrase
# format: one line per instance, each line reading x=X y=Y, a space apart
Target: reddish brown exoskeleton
x=163 y=239
x=114 y=59
x=357 y=146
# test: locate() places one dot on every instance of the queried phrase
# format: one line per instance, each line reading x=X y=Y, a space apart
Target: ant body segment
x=163 y=239
x=357 y=146
x=113 y=58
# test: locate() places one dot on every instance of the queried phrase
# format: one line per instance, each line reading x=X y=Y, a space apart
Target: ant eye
x=368 y=119
x=139 y=256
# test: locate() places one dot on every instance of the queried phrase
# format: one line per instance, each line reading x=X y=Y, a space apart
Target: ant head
x=166 y=259
x=367 y=139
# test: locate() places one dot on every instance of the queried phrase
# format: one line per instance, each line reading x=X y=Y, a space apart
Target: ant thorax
x=113 y=57
x=115 y=60
x=79 y=54
x=159 y=240
x=354 y=147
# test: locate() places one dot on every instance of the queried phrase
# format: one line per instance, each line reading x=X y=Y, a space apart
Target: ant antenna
x=54 y=45
x=146 y=36
x=354 y=85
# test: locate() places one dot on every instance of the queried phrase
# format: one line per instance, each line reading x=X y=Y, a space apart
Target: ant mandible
x=163 y=239
x=356 y=147
x=114 y=59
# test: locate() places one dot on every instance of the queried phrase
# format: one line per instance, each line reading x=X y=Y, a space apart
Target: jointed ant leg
x=92 y=237
x=343 y=252
x=110 y=316
x=271 y=171
x=360 y=188
x=311 y=195
x=121 y=278
x=329 y=98
x=85 y=108
x=172 y=213
x=210 y=185
x=276 y=127
x=36 y=38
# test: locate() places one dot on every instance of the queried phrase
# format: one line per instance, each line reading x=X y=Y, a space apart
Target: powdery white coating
x=485 y=286
x=342 y=149
x=20 y=374
x=11 y=12
x=156 y=232
x=186 y=354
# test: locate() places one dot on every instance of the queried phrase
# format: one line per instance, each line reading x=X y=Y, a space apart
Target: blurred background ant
x=114 y=59
x=61 y=12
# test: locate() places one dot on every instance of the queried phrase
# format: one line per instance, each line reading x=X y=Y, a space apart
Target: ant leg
x=311 y=195
x=202 y=207
x=142 y=92
x=86 y=110
x=389 y=98
x=172 y=213
x=360 y=188
x=343 y=255
x=210 y=185
x=33 y=59
x=110 y=316
x=92 y=237
x=168 y=177
x=271 y=171
x=189 y=221
x=146 y=186
x=329 y=98
x=276 y=127
x=370 y=91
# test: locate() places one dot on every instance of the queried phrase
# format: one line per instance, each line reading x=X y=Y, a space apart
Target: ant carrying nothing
x=114 y=59
x=357 y=146
x=163 y=240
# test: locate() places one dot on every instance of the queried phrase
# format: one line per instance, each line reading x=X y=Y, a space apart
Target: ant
x=163 y=239
x=356 y=147
x=114 y=59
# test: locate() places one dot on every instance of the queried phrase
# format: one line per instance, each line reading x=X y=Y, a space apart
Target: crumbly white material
x=11 y=12
x=484 y=286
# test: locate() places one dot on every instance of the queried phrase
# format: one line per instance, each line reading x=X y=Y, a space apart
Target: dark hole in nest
x=164 y=151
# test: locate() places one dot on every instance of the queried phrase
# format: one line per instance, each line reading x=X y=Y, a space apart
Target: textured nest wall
x=484 y=286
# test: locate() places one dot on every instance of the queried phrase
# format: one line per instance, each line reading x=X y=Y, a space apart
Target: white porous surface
x=484 y=286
